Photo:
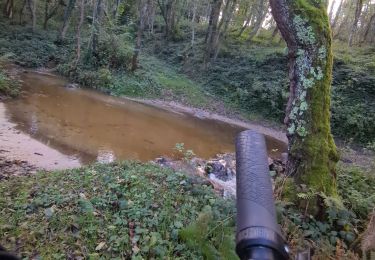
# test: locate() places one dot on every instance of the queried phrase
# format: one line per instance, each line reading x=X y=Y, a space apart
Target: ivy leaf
x=86 y=206
x=49 y=212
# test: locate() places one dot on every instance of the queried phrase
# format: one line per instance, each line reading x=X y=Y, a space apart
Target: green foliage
x=186 y=154
x=344 y=217
x=338 y=223
x=141 y=210
x=357 y=190
x=31 y=49
x=213 y=239
x=118 y=210
x=8 y=87
x=255 y=82
x=116 y=50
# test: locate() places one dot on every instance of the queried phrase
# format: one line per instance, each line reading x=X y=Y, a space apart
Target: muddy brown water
x=89 y=126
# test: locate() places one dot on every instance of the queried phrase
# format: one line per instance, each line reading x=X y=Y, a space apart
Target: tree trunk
x=46 y=3
x=261 y=15
x=337 y=15
x=94 y=42
x=370 y=24
x=142 y=11
x=22 y=10
x=223 y=25
x=31 y=5
x=115 y=9
x=212 y=30
x=274 y=33
x=193 y=22
x=331 y=10
x=312 y=151
x=8 y=9
x=48 y=15
x=168 y=13
x=358 y=11
x=246 y=23
x=67 y=15
x=78 y=36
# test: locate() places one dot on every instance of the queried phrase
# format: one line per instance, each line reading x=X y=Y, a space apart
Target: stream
x=66 y=127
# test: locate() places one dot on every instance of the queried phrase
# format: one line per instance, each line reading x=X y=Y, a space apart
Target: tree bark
x=193 y=22
x=337 y=15
x=247 y=20
x=212 y=30
x=67 y=14
x=8 y=9
x=274 y=33
x=115 y=9
x=142 y=11
x=96 y=20
x=370 y=24
x=78 y=35
x=312 y=151
x=31 y=5
x=223 y=25
x=168 y=9
x=22 y=10
x=262 y=9
x=47 y=14
x=358 y=11
x=331 y=10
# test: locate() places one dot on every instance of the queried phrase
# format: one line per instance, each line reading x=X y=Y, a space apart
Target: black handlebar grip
x=256 y=214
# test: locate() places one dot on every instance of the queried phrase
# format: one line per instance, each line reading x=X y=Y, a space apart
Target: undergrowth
x=119 y=210
x=8 y=87
x=140 y=210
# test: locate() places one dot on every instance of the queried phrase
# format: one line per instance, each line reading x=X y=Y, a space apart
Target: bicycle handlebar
x=258 y=234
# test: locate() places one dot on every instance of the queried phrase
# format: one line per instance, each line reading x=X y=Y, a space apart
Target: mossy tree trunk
x=305 y=27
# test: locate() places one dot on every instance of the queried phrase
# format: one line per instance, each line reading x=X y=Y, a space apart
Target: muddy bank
x=15 y=145
x=205 y=114
x=14 y=168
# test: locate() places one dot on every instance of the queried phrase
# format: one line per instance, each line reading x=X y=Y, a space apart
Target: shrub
x=8 y=87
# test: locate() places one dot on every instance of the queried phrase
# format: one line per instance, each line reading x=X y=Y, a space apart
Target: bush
x=8 y=87
x=31 y=49
x=357 y=190
x=353 y=103
x=116 y=51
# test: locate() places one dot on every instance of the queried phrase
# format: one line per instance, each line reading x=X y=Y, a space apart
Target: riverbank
x=248 y=83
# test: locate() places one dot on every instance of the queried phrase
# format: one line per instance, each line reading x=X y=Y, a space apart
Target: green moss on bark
x=313 y=154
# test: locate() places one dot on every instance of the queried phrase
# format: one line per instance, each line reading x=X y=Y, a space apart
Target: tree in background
x=312 y=152
x=358 y=11
x=66 y=19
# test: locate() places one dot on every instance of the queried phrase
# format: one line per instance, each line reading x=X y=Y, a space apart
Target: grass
x=159 y=80
x=8 y=87
x=121 y=210
x=136 y=210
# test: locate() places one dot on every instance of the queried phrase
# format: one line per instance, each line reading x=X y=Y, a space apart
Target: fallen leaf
x=100 y=246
